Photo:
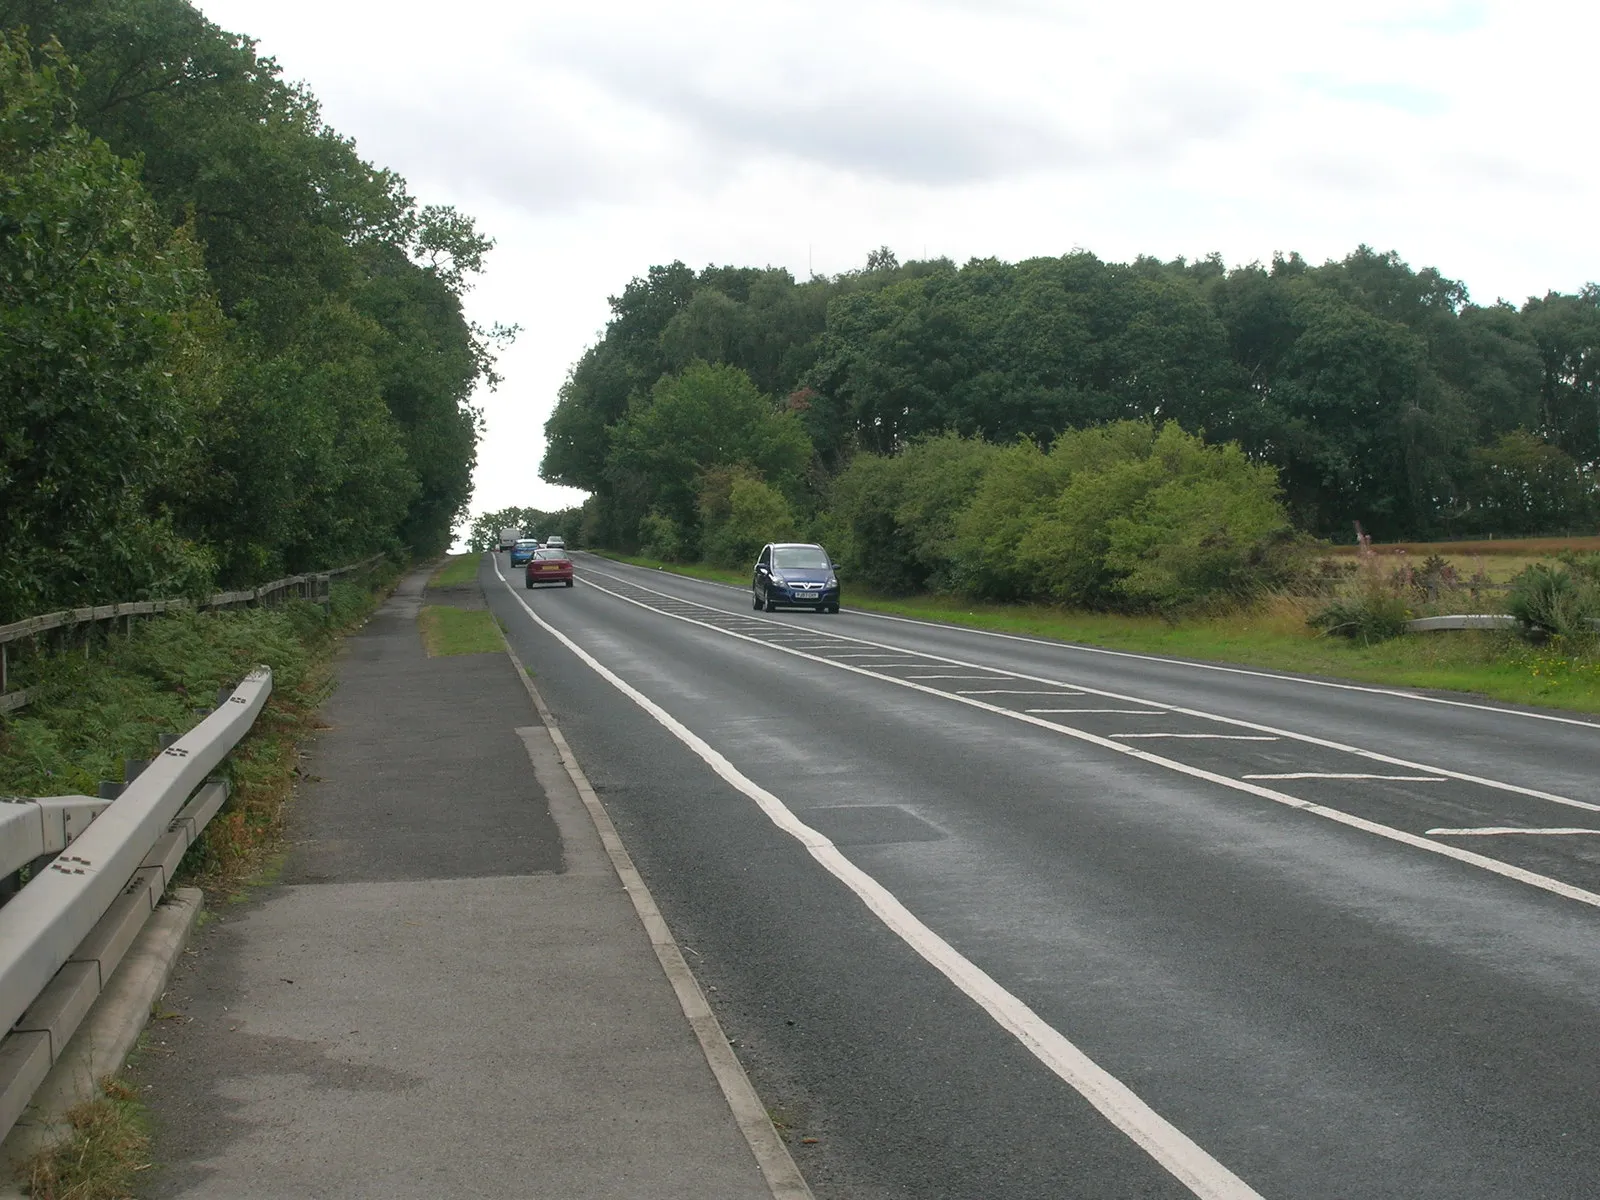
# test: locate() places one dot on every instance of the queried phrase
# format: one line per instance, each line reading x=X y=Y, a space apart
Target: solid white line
x=968 y=677
x=1495 y=830
x=771 y=1153
x=1443 y=849
x=1158 y=1137
x=1085 y=689
x=1352 y=775
x=1121 y=712
x=1184 y=662
x=1202 y=737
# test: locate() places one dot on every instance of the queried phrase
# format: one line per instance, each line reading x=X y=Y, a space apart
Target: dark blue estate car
x=795 y=575
x=522 y=552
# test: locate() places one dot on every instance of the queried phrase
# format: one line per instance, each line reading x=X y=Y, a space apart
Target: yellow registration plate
x=548 y=567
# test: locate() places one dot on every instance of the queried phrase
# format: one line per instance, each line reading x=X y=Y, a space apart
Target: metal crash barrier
x=65 y=930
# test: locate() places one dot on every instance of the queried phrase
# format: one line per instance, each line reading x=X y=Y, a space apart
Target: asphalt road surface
x=991 y=917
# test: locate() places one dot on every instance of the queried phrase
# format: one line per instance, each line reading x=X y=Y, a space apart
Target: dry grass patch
x=101 y=1159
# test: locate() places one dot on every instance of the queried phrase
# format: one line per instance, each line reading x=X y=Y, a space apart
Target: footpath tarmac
x=449 y=991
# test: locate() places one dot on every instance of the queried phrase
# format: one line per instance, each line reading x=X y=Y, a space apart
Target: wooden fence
x=314 y=587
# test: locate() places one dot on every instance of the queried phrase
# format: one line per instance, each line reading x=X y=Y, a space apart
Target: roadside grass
x=102 y=1157
x=447 y=630
x=458 y=570
x=98 y=709
x=1272 y=635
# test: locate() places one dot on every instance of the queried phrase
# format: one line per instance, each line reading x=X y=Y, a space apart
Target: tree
x=109 y=335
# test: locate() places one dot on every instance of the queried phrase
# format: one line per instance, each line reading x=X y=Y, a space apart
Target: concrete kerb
x=101 y=1045
x=772 y=1157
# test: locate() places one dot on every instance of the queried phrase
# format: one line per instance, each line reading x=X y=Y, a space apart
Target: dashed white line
x=1497 y=830
x=1352 y=775
x=1203 y=737
x=1120 y=712
x=1011 y=692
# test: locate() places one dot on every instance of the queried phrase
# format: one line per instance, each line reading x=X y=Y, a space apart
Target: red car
x=549 y=566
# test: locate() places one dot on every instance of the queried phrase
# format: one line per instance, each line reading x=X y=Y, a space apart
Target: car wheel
x=833 y=608
x=569 y=583
x=528 y=583
x=770 y=606
x=755 y=598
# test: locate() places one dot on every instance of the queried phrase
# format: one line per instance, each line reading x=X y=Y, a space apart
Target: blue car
x=523 y=551
x=795 y=575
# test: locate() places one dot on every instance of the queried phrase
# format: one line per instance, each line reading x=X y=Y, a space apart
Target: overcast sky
x=594 y=138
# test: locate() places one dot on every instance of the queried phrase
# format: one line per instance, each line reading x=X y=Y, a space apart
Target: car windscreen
x=798 y=558
x=527 y=544
x=550 y=554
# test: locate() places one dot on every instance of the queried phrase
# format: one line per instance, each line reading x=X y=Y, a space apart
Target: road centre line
x=1237 y=722
x=1492 y=865
x=1184 y=662
x=1351 y=775
x=1496 y=830
x=1164 y=1142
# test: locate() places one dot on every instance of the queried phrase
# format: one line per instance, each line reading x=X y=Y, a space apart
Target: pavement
x=449 y=991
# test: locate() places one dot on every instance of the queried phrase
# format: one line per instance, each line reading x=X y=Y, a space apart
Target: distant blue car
x=523 y=551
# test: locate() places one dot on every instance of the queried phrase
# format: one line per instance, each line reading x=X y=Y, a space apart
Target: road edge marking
x=777 y=1166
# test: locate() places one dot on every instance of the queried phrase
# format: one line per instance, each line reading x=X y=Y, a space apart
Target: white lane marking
x=1183 y=662
x=1443 y=849
x=1496 y=830
x=1085 y=689
x=1120 y=712
x=1352 y=775
x=1203 y=737
x=1008 y=692
x=967 y=677
x=1158 y=1137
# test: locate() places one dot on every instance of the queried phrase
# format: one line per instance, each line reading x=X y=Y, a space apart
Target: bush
x=1558 y=601
x=660 y=537
x=740 y=513
x=1371 y=616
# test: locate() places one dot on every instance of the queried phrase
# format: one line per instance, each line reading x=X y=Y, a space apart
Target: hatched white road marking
x=1120 y=712
x=1352 y=775
x=1496 y=830
x=1011 y=692
x=1483 y=862
x=970 y=677
x=1203 y=737
x=1168 y=1145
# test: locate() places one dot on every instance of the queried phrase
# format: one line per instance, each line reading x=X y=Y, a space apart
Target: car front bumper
x=804 y=597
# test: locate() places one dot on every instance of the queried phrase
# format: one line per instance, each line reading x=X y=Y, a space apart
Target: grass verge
x=98 y=709
x=458 y=571
x=109 y=1145
x=1272 y=635
x=447 y=630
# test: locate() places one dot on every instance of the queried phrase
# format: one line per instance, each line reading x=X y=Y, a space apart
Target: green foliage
x=739 y=513
x=1559 y=601
x=229 y=348
x=704 y=419
x=1366 y=617
x=660 y=537
x=535 y=522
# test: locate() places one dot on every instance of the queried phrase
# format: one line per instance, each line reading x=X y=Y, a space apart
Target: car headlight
x=832 y=582
x=779 y=580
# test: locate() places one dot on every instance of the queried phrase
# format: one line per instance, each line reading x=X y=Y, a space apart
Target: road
x=996 y=917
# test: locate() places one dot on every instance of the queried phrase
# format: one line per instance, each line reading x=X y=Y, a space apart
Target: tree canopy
x=229 y=347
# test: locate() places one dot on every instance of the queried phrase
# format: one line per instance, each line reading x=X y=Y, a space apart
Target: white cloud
x=595 y=140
